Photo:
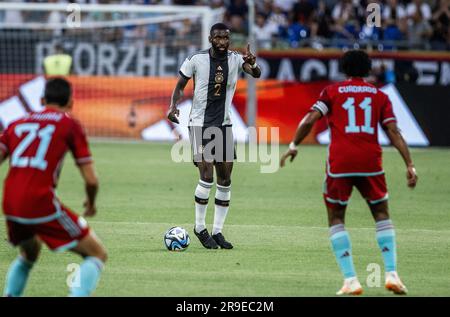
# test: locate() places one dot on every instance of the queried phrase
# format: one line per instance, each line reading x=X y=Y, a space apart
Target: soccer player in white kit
x=215 y=72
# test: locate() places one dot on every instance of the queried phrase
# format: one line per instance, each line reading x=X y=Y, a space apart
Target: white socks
x=201 y=203
x=222 y=204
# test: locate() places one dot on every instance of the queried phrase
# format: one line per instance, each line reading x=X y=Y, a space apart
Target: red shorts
x=337 y=190
x=60 y=234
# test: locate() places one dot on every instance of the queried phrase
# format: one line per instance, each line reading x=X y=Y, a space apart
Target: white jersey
x=214 y=86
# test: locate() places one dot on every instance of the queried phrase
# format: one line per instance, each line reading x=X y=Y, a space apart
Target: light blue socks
x=90 y=271
x=342 y=248
x=386 y=242
x=17 y=276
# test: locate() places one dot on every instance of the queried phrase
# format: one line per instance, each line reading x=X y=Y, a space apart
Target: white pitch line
x=266 y=226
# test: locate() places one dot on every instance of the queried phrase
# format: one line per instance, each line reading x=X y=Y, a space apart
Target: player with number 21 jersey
x=29 y=191
x=35 y=147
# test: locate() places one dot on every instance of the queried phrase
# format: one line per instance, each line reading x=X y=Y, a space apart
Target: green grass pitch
x=277 y=223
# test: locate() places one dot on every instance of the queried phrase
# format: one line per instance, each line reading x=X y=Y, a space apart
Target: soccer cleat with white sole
x=351 y=287
x=394 y=284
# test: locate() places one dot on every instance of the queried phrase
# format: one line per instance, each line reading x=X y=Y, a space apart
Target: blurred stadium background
x=122 y=58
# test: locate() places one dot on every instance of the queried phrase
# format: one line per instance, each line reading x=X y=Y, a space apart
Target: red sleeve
x=78 y=144
x=4 y=142
x=387 y=113
x=323 y=103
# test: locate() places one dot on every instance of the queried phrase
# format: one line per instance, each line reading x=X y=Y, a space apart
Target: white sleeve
x=240 y=61
x=187 y=68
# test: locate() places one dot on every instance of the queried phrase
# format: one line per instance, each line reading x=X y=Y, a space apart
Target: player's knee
x=92 y=247
x=102 y=254
x=380 y=215
x=379 y=211
x=207 y=175
x=30 y=250
x=207 y=179
x=336 y=216
x=224 y=182
x=30 y=255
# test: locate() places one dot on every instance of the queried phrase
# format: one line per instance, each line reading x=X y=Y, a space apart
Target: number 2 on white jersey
x=351 y=111
x=44 y=135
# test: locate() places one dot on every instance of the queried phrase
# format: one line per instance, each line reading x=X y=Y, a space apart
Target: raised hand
x=248 y=56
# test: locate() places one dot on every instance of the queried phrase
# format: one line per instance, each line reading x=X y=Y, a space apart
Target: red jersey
x=353 y=109
x=36 y=146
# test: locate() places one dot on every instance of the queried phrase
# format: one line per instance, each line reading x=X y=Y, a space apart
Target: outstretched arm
x=396 y=138
x=91 y=186
x=250 y=66
x=177 y=94
x=304 y=128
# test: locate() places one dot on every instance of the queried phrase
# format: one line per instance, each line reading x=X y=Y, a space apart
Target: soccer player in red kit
x=36 y=146
x=353 y=109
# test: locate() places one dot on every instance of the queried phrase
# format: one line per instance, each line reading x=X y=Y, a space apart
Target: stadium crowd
x=405 y=24
x=410 y=23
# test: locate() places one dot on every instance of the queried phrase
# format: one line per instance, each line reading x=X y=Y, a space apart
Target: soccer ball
x=176 y=239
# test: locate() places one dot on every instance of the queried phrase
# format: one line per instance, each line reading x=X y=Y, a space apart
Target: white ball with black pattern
x=176 y=239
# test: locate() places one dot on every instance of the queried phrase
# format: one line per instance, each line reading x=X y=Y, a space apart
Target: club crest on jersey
x=219 y=77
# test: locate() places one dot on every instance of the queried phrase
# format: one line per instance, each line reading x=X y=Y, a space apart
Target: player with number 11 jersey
x=353 y=109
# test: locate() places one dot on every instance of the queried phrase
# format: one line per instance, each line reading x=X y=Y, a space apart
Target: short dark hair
x=356 y=63
x=218 y=26
x=57 y=91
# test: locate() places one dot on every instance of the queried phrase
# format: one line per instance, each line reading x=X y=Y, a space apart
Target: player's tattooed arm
x=304 y=128
x=396 y=138
x=177 y=94
x=250 y=66
x=91 y=187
